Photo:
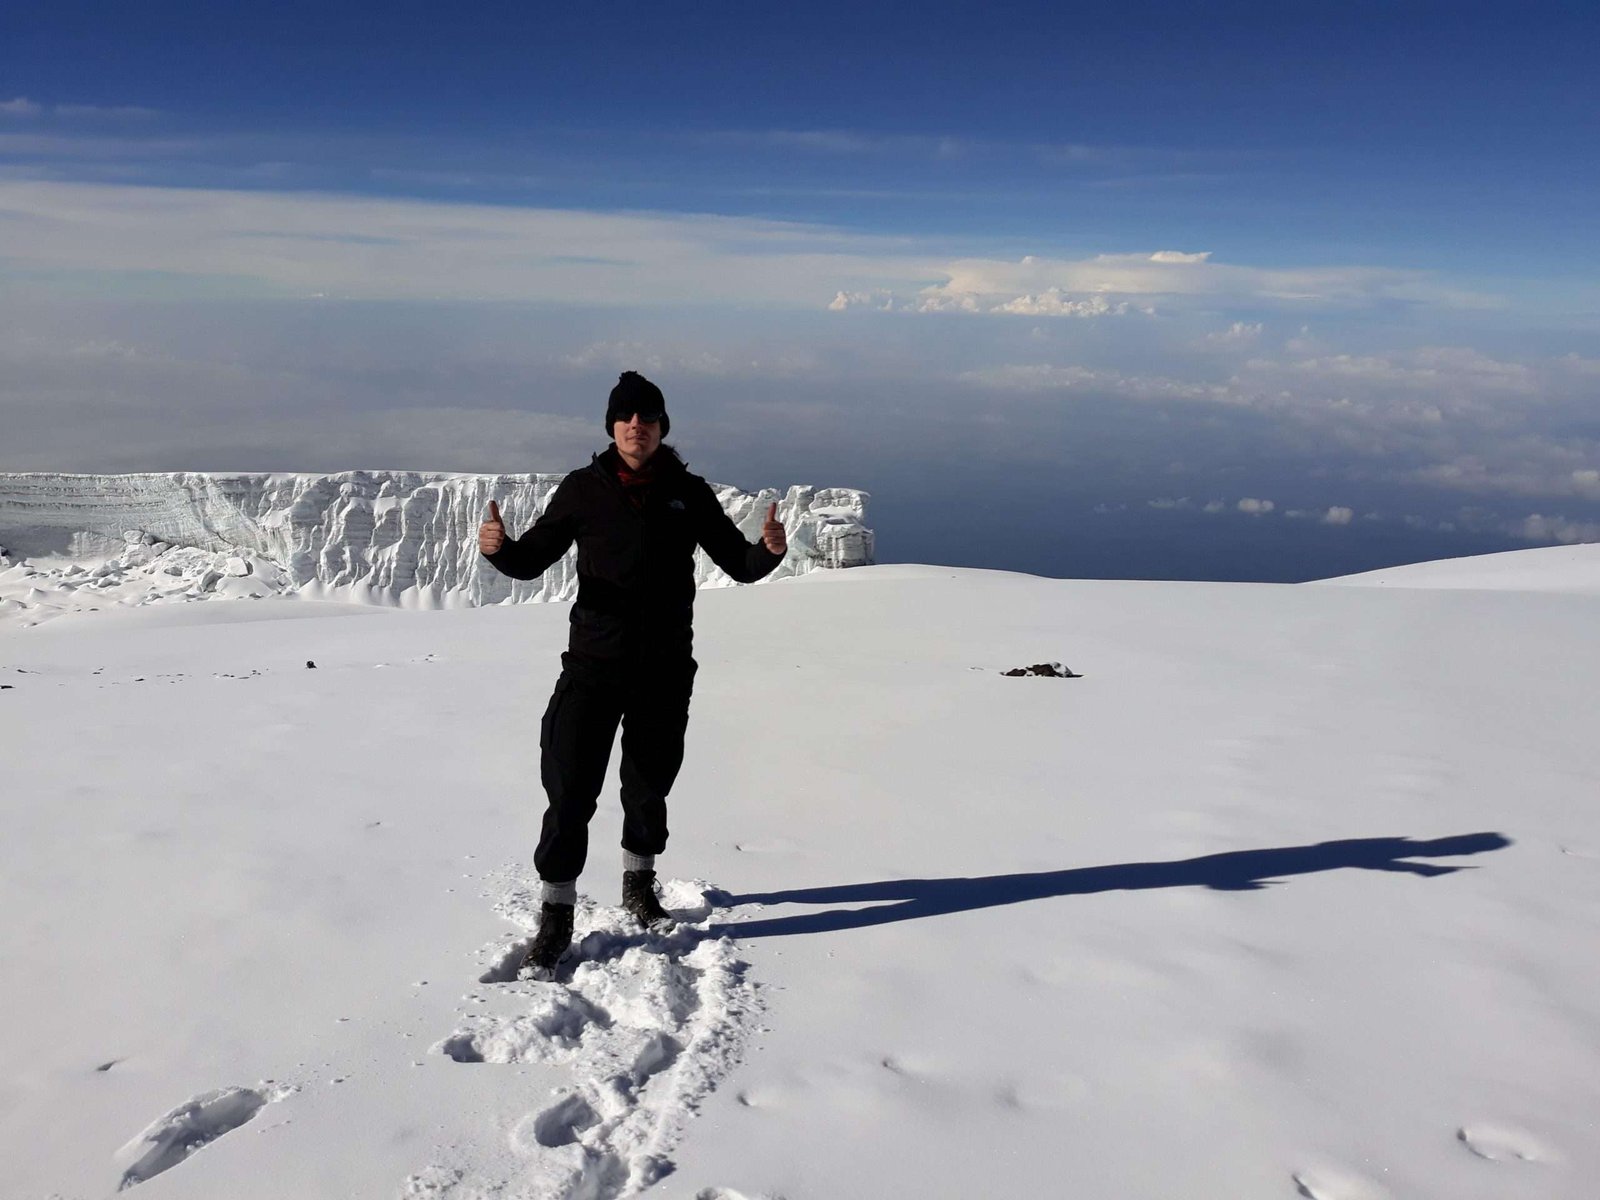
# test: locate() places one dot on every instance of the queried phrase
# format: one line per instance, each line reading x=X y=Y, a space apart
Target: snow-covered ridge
x=391 y=537
x=1568 y=569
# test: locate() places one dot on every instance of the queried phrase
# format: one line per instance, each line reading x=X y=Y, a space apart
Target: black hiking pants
x=651 y=703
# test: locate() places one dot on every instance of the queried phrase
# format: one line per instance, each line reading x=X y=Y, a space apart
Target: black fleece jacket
x=635 y=565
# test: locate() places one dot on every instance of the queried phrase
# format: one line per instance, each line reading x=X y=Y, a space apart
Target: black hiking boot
x=640 y=901
x=551 y=942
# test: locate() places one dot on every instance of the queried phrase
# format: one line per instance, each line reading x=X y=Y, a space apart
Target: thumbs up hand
x=492 y=533
x=772 y=535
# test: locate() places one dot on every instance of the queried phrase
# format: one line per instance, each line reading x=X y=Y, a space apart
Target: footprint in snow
x=560 y=1124
x=1336 y=1183
x=171 y=1138
x=649 y=1025
x=1503 y=1143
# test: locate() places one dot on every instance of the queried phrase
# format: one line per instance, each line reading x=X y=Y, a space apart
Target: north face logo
x=677 y=504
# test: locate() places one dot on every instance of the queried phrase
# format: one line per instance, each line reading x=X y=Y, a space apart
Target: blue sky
x=1167 y=263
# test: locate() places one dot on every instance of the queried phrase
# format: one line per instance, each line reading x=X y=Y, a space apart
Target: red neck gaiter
x=635 y=484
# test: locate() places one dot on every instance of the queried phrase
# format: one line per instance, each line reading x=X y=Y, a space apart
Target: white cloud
x=20 y=107
x=1527 y=464
x=1048 y=303
x=1442 y=416
x=1239 y=334
x=374 y=248
x=881 y=300
x=1539 y=528
x=1304 y=342
x=1249 y=506
x=980 y=285
x=1053 y=304
x=1338 y=515
x=1423 y=392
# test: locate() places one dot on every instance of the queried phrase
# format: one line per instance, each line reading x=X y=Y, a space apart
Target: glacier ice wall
x=392 y=537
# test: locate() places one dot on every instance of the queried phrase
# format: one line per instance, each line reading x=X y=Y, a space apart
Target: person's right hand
x=492 y=533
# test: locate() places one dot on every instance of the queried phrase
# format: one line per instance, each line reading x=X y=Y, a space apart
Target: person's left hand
x=772 y=535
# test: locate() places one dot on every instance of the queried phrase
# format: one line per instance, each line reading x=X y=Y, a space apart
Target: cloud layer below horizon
x=265 y=329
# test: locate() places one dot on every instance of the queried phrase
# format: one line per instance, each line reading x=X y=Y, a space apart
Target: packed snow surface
x=72 y=543
x=1570 y=569
x=1293 y=892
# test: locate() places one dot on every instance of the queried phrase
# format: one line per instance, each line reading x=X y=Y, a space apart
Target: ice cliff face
x=393 y=537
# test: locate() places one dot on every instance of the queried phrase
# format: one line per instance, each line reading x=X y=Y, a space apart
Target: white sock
x=638 y=862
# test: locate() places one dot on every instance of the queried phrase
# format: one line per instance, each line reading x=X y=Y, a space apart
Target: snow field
x=1292 y=894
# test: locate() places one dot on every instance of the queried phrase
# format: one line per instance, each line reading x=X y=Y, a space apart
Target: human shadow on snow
x=1234 y=871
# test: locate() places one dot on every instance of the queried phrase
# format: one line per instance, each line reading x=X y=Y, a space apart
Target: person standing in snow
x=636 y=514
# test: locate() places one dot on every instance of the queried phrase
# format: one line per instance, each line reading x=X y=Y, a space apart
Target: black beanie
x=634 y=393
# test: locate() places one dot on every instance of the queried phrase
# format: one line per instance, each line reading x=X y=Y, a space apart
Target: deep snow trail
x=646 y=1026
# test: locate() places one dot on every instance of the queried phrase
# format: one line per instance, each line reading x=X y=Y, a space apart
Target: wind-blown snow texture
x=392 y=537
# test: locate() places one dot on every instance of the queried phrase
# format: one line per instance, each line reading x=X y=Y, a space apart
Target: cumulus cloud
x=880 y=300
x=1239 y=334
x=1252 y=507
x=1053 y=304
x=1116 y=284
x=1539 y=528
x=1528 y=464
x=1050 y=303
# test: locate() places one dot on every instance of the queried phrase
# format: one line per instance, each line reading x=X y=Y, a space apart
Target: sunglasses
x=648 y=416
